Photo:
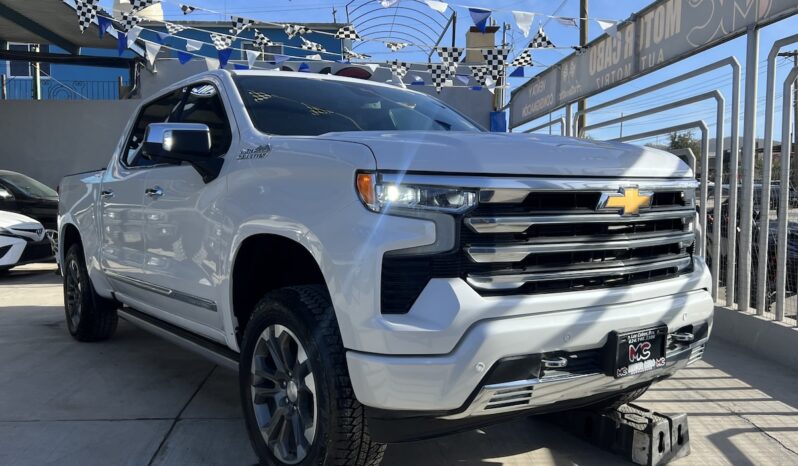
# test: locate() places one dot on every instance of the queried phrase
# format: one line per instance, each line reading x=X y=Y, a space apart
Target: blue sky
x=321 y=11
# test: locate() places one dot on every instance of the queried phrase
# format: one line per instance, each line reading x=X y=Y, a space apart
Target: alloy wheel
x=283 y=393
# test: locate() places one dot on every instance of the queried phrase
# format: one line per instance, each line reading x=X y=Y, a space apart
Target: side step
x=217 y=353
x=640 y=435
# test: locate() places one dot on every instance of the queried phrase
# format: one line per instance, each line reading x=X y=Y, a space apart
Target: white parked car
x=377 y=267
x=22 y=241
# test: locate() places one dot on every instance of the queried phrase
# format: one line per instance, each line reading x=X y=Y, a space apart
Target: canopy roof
x=48 y=22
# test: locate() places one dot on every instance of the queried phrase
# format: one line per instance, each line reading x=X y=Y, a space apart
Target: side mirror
x=182 y=142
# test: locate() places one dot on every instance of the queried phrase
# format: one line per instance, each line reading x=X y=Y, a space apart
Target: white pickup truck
x=377 y=267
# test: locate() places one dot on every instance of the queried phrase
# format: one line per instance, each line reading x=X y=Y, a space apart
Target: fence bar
x=767 y=169
x=749 y=135
x=3 y=87
x=569 y=116
x=559 y=121
x=734 y=153
x=784 y=195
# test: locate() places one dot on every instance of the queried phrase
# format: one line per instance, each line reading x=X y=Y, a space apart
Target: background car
x=24 y=195
x=22 y=241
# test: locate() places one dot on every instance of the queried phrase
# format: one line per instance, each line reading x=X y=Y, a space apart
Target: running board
x=213 y=351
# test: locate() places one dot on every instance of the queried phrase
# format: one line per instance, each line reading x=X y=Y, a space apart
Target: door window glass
x=204 y=105
x=159 y=111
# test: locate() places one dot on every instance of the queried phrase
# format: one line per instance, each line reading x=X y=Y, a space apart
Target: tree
x=685 y=140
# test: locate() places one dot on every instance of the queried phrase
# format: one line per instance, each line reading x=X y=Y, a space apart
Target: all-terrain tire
x=341 y=431
x=89 y=316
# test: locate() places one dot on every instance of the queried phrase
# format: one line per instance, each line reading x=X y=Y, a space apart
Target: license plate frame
x=638 y=351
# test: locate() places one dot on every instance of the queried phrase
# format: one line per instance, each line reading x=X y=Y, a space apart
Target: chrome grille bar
x=519 y=252
x=514 y=281
x=521 y=224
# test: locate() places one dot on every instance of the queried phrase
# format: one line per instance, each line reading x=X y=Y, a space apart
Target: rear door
x=124 y=221
x=183 y=224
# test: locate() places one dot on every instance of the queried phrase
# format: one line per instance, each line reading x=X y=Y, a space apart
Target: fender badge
x=255 y=153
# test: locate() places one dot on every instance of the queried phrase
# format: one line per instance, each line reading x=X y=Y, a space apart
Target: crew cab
x=377 y=267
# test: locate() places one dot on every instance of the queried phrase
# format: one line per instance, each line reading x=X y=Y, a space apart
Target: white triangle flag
x=152 y=51
x=372 y=66
x=211 y=63
x=437 y=6
x=388 y=3
x=193 y=45
x=524 y=20
x=605 y=24
x=252 y=56
x=133 y=34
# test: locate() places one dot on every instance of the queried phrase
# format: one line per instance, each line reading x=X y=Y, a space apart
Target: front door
x=184 y=227
x=123 y=219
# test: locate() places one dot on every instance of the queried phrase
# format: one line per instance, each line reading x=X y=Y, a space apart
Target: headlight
x=379 y=196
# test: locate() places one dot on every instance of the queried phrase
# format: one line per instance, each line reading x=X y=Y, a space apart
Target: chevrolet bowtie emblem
x=628 y=201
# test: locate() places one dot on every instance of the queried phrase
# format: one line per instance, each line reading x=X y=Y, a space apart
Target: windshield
x=310 y=107
x=28 y=185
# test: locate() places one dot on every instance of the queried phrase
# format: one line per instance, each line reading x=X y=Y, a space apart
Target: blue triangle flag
x=161 y=37
x=184 y=57
x=517 y=73
x=121 y=44
x=103 y=23
x=304 y=68
x=417 y=83
x=240 y=67
x=476 y=88
x=224 y=57
x=480 y=18
x=280 y=58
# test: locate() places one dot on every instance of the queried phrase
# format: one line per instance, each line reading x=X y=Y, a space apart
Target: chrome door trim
x=163 y=291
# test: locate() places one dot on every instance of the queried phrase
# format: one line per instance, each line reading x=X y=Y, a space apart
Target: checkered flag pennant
x=262 y=41
x=396 y=46
x=525 y=59
x=128 y=20
x=480 y=73
x=541 y=41
x=450 y=56
x=173 y=28
x=495 y=59
x=439 y=73
x=221 y=41
x=312 y=46
x=349 y=55
x=579 y=49
x=187 y=9
x=399 y=68
x=87 y=12
x=293 y=29
x=347 y=32
x=239 y=24
x=142 y=4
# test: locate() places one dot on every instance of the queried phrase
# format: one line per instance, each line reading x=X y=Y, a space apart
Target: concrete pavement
x=139 y=400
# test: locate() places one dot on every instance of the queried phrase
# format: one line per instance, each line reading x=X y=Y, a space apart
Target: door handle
x=154 y=192
x=107 y=193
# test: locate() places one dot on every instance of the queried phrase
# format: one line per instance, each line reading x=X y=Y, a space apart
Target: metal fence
x=21 y=88
x=748 y=207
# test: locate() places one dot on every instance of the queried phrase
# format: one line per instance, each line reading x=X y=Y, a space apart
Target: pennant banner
x=524 y=21
x=184 y=57
x=141 y=4
x=349 y=55
x=388 y=3
x=252 y=57
x=173 y=28
x=347 y=32
x=525 y=59
x=570 y=22
x=396 y=46
x=399 y=68
x=221 y=41
x=293 y=29
x=211 y=63
x=128 y=20
x=152 y=49
x=439 y=73
x=193 y=45
x=103 y=23
x=87 y=12
x=187 y=9
x=262 y=41
x=440 y=7
x=239 y=24
x=450 y=56
x=480 y=18
x=495 y=60
x=224 y=57
x=312 y=46
x=541 y=41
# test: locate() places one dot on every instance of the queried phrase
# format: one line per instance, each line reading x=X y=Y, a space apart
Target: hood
x=21 y=225
x=514 y=154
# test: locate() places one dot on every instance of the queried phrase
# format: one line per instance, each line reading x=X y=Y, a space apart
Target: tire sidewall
x=283 y=309
x=74 y=255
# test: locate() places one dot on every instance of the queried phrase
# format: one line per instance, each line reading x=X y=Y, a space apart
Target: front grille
x=38 y=251
x=527 y=242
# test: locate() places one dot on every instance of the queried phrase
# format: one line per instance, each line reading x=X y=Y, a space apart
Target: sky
x=321 y=11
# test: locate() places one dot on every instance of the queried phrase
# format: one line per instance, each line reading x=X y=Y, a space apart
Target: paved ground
x=139 y=400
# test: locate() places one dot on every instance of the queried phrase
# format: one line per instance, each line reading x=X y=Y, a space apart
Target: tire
x=298 y=325
x=89 y=316
x=619 y=400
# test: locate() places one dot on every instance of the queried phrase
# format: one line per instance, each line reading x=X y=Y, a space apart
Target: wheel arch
x=68 y=236
x=264 y=262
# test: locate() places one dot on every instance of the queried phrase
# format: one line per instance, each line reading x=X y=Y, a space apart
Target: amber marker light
x=366 y=184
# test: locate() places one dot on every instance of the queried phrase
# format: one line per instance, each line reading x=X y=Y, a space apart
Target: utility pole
x=36 y=88
x=794 y=55
x=499 y=96
x=582 y=104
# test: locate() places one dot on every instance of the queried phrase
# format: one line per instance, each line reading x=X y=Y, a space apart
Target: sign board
x=661 y=34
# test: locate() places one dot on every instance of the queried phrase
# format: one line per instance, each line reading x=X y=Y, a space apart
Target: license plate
x=639 y=351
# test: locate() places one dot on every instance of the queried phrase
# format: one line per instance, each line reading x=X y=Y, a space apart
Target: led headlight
x=379 y=196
